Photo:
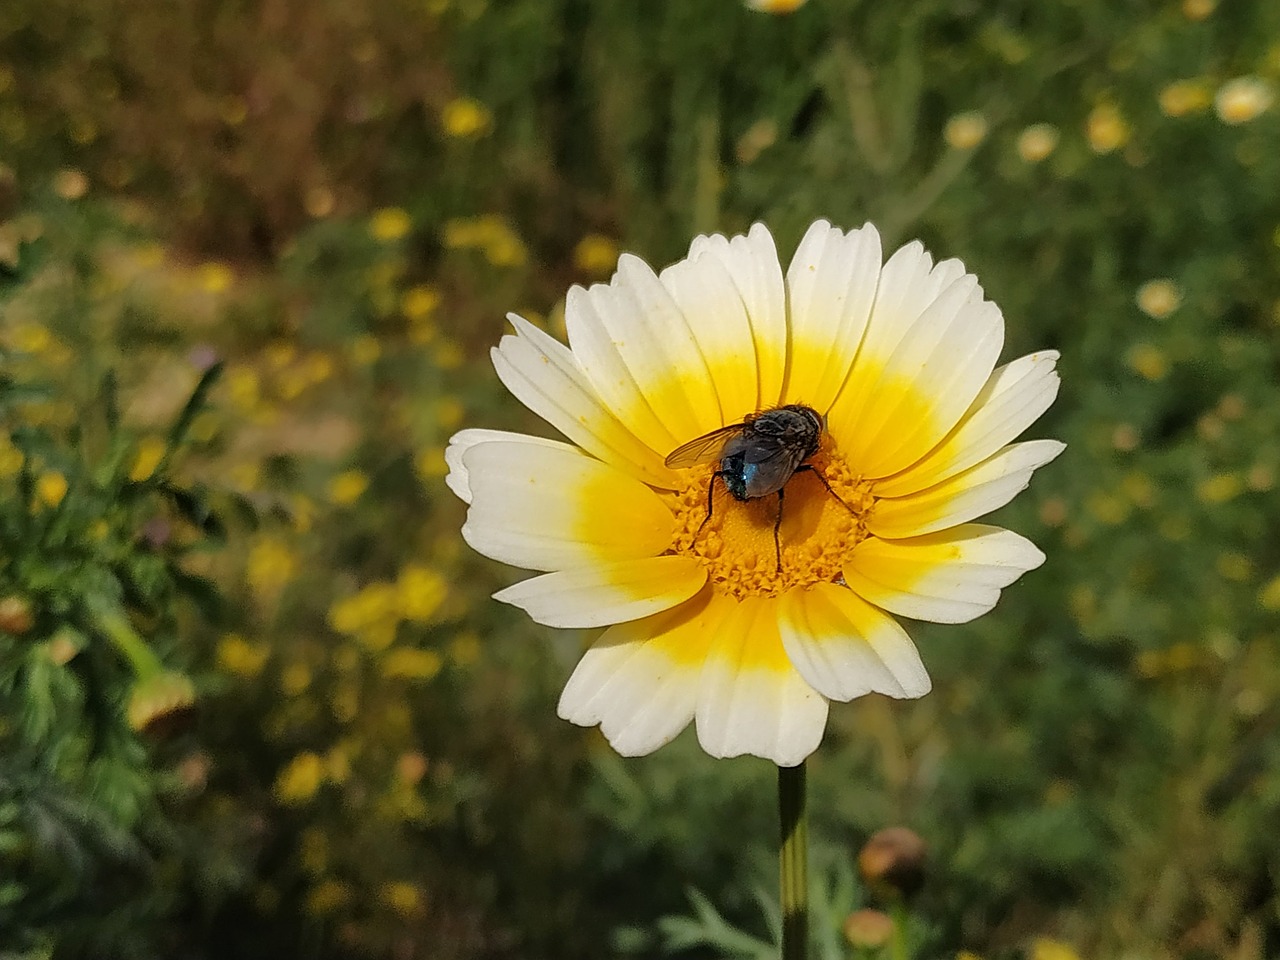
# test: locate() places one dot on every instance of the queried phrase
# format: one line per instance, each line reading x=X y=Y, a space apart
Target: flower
x=1037 y=141
x=965 y=131
x=1159 y=298
x=1106 y=128
x=390 y=224
x=466 y=119
x=710 y=618
x=1243 y=99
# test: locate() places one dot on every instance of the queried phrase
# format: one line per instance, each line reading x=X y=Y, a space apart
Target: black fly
x=758 y=456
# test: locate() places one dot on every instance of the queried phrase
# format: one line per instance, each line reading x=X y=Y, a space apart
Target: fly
x=758 y=456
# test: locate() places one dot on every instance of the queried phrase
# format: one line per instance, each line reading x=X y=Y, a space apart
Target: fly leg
x=711 y=489
x=777 y=547
x=823 y=480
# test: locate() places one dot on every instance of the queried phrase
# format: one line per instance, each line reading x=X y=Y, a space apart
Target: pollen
x=735 y=544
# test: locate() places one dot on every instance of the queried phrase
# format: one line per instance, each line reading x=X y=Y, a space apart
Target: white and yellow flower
x=706 y=623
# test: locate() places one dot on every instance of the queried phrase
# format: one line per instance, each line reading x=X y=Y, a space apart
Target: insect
x=758 y=456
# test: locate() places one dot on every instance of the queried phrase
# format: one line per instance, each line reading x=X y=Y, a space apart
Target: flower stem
x=793 y=862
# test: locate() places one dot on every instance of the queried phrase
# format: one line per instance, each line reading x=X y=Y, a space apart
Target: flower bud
x=15 y=615
x=161 y=703
x=892 y=862
x=868 y=929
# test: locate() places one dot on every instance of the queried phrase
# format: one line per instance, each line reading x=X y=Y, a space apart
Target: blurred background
x=254 y=700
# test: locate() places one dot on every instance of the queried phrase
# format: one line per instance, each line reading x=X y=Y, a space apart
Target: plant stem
x=793 y=862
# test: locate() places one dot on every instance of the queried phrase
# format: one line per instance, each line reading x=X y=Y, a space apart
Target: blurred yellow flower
x=421 y=590
x=1159 y=298
x=151 y=451
x=300 y=780
x=243 y=388
x=328 y=896
x=596 y=255
x=1148 y=360
x=466 y=118
x=271 y=564
x=32 y=338
x=449 y=412
x=1106 y=128
x=1269 y=595
x=347 y=487
x=419 y=302
x=465 y=649
x=11 y=458
x=214 y=277
x=279 y=354
x=776 y=6
x=70 y=184
x=51 y=487
x=402 y=897
x=1045 y=949
x=1220 y=488
x=238 y=656
x=964 y=131
x=337 y=762
x=365 y=349
x=390 y=224
x=431 y=464
x=295 y=679
x=1234 y=566
x=1243 y=99
x=405 y=663
x=1185 y=96
x=491 y=234
x=1198 y=9
x=1037 y=141
x=378 y=603
x=448 y=355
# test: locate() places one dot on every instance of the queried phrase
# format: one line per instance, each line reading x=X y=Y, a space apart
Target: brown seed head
x=892 y=862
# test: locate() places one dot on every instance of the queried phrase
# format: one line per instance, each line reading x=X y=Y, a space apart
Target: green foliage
x=380 y=770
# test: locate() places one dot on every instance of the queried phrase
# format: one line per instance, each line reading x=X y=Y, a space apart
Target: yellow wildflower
x=1037 y=141
x=1198 y=9
x=1159 y=298
x=347 y=487
x=1243 y=99
x=151 y=451
x=402 y=897
x=596 y=255
x=406 y=663
x=1269 y=595
x=279 y=354
x=295 y=679
x=338 y=762
x=51 y=487
x=466 y=119
x=214 y=277
x=964 y=131
x=1106 y=128
x=1234 y=566
x=1149 y=361
x=1183 y=97
x=365 y=350
x=431 y=464
x=1046 y=949
x=419 y=302
x=327 y=897
x=243 y=388
x=465 y=649
x=271 y=565
x=449 y=412
x=238 y=656
x=32 y=338
x=420 y=590
x=1220 y=488
x=300 y=780
x=11 y=458
x=390 y=224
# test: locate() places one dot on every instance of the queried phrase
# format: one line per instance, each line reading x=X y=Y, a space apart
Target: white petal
x=635 y=346
x=544 y=505
x=542 y=374
x=718 y=320
x=831 y=285
x=462 y=441
x=606 y=593
x=640 y=680
x=966 y=496
x=752 y=700
x=844 y=647
x=952 y=576
x=928 y=383
x=752 y=262
x=1013 y=398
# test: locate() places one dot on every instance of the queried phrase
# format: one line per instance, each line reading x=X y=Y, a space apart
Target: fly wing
x=704 y=449
x=770 y=464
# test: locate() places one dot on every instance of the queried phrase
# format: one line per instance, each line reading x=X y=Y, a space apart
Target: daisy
x=750 y=617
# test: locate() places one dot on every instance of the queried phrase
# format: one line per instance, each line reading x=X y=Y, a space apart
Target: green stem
x=793 y=862
x=898 y=945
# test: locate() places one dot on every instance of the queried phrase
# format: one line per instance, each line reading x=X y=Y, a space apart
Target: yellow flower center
x=736 y=543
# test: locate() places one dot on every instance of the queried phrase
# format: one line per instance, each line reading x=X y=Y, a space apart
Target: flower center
x=736 y=542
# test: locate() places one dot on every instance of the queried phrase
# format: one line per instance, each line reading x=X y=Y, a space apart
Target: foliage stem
x=793 y=862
